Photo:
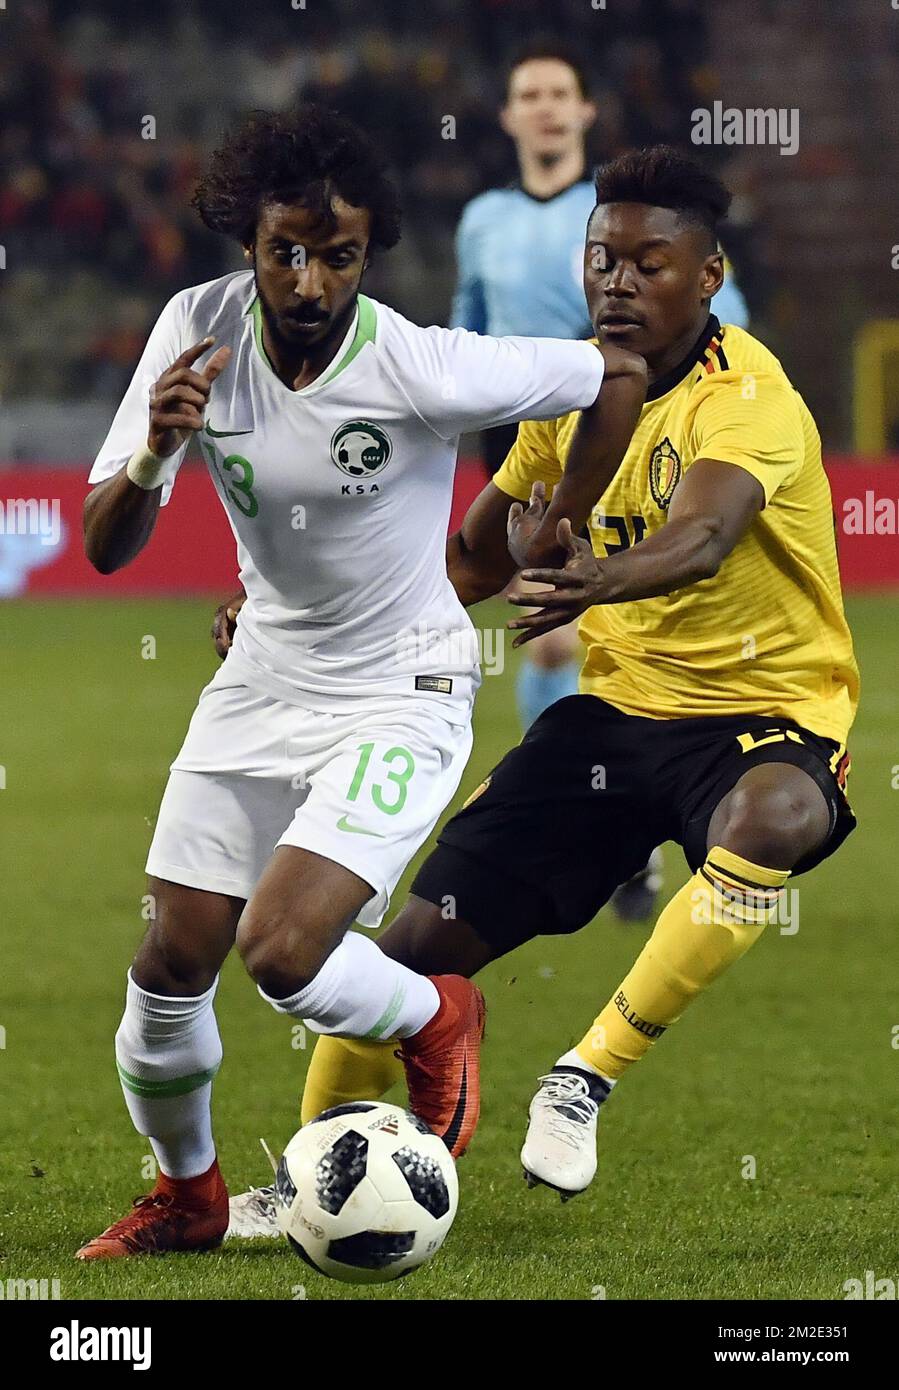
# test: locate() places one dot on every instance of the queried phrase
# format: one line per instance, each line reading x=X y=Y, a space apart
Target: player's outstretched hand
x=523 y=525
x=179 y=397
x=224 y=624
x=573 y=591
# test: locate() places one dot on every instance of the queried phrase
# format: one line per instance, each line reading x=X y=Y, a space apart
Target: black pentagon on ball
x=371 y=1249
x=298 y=1250
x=425 y=1180
x=418 y=1123
x=339 y=1171
x=353 y=1107
x=285 y=1187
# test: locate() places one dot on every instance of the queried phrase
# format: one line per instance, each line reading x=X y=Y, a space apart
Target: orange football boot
x=178 y=1214
x=442 y=1063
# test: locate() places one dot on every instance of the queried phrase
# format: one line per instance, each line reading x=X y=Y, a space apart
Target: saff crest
x=361 y=449
x=665 y=471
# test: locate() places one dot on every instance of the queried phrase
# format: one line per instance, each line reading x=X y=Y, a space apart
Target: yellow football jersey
x=767 y=635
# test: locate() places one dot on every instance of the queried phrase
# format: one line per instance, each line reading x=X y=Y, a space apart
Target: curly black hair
x=663 y=177
x=306 y=156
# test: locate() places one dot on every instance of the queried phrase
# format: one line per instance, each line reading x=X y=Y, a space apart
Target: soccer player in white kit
x=323 y=751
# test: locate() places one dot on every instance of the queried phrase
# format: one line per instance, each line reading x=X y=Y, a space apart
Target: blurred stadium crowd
x=96 y=218
x=97 y=232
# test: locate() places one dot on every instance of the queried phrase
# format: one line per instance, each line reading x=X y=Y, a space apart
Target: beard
x=290 y=333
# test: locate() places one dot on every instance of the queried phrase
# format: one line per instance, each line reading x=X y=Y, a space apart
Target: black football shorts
x=578 y=807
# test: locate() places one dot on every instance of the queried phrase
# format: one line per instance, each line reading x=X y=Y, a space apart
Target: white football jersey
x=339 y=494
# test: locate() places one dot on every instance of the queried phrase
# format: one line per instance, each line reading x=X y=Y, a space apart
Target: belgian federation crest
x=361 y=449
x=665 y=471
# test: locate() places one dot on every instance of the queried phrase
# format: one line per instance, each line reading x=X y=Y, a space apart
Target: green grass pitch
x=790 y=1059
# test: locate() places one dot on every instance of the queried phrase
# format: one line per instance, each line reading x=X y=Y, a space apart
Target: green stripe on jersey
x=256 y=311
x=159 y=1090
x=365 y=333
x=366 y=325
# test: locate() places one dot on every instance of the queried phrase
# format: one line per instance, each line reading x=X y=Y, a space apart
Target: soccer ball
x=366 y=1192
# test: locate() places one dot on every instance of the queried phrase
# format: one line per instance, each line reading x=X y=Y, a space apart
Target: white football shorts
x=364 y=789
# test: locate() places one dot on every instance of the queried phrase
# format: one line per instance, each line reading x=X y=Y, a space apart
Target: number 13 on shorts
x=376 y=800
x=383 y=777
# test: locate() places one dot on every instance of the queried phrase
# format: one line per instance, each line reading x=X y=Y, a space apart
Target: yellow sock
x=343 y=1069
x=709 y=924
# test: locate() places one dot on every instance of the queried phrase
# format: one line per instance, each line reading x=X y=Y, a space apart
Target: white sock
x=574 y=1059
x=167 y=1052
x=362 y=993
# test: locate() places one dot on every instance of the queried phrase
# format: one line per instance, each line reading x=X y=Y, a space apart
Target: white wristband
x=147 y=470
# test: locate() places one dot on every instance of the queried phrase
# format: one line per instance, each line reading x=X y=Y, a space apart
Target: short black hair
x=306 y=155
x=664 y=177
x=548 y=47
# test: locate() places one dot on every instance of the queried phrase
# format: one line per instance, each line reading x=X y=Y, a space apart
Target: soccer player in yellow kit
x=719 y=685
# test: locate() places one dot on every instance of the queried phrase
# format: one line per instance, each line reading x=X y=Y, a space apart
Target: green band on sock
x=388 y=1017
x=159 y=1090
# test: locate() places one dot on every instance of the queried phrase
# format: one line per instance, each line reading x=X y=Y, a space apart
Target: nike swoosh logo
x=455 y=1125
x=225 y=434
x=344 y=824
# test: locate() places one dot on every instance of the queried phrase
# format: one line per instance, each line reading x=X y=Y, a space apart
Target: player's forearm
x=118 y=521
x=477 y=557
x=119 y=515
x=602 y=435
x=683 y=552
x=476 y=575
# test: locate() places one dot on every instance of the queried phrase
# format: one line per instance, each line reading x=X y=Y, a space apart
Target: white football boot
x=253 y=1214
x=560 y=1146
